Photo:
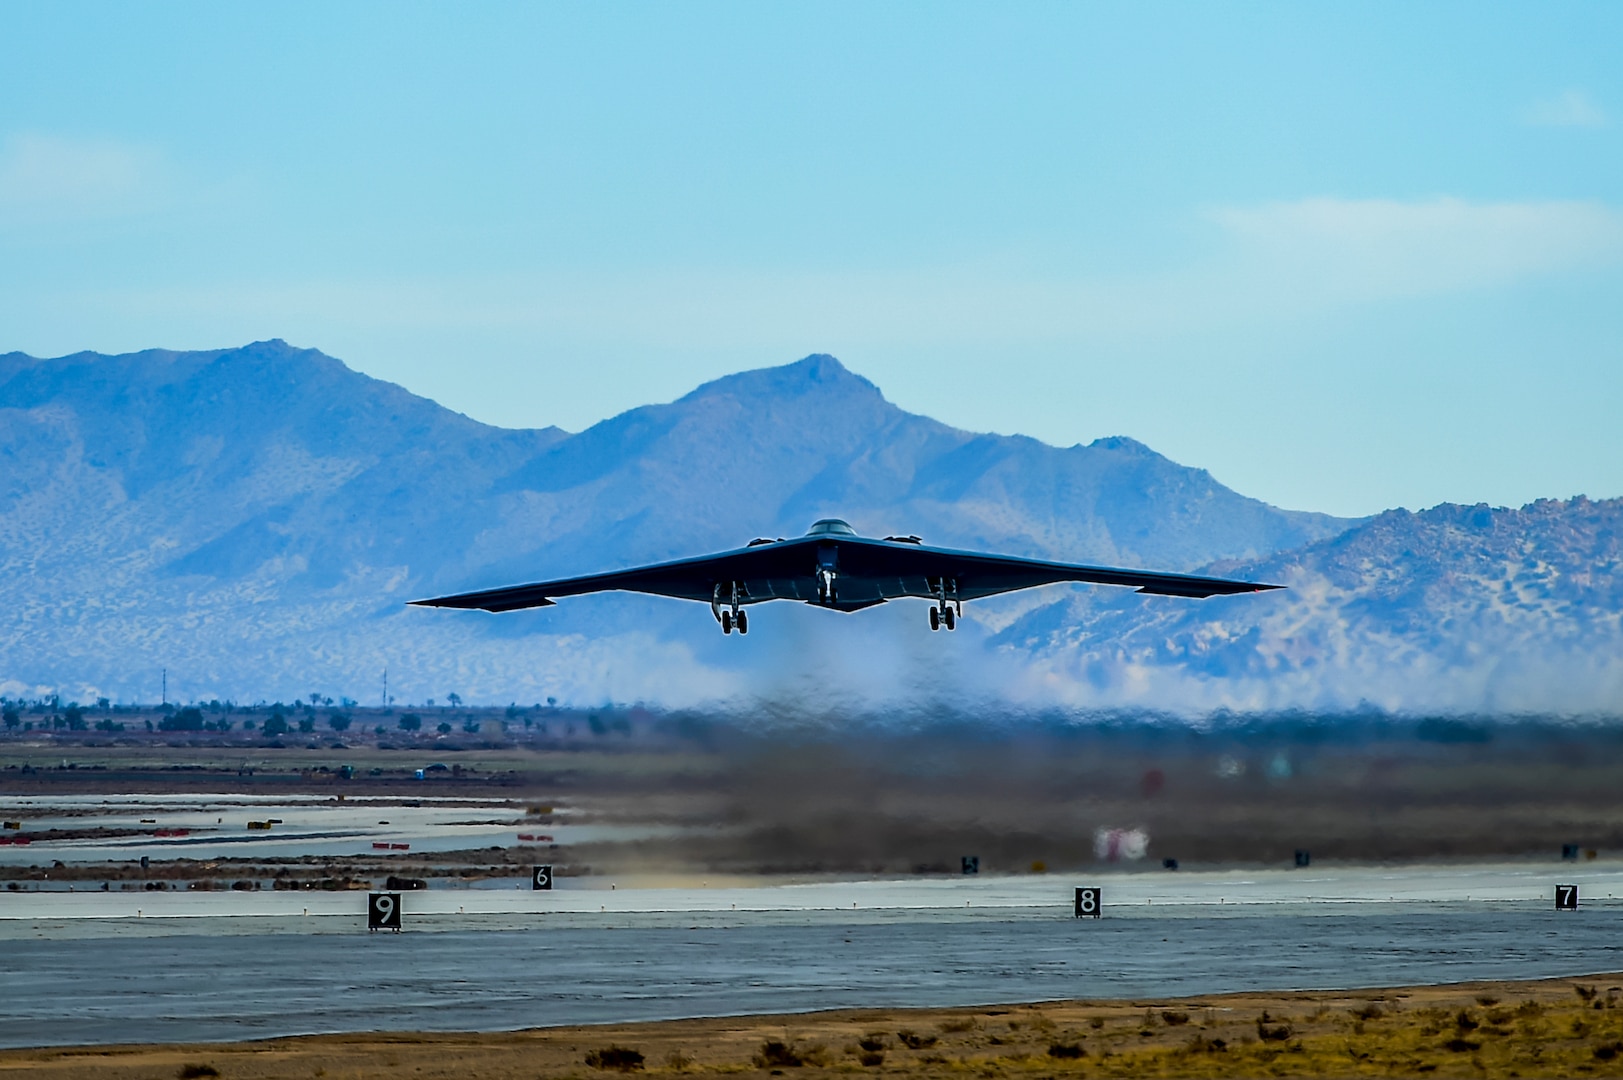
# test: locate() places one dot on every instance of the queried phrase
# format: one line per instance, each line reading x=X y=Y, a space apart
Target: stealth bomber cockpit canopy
x=833 y=567
x=830 y=527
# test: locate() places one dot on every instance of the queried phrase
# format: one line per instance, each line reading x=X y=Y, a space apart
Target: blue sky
x=1345 y=257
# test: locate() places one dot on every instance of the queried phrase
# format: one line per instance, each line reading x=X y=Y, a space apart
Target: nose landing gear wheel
x=726 y=622
x=935 y=619
x=743 y=622
x=951 y=621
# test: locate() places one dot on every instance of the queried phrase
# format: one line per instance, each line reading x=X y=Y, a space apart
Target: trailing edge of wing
x=686 y=579
x=520 y=596
x=1200 y=588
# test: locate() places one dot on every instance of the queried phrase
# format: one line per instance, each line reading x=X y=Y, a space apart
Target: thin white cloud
x=48 y=179
x=1335 y=251
x=1571 y=108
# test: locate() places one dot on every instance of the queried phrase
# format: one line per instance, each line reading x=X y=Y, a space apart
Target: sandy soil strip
x=1557 y=1027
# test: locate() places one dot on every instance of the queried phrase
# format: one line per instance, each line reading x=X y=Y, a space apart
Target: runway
x=184 y=971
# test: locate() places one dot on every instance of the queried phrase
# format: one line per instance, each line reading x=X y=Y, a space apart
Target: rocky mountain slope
x=253 y=519
x=1497 y=610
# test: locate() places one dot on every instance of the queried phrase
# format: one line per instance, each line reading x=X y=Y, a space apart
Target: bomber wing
x=683 y=579
x=915 y=570
x=866 y=572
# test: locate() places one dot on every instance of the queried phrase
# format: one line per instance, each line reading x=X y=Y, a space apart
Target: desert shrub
x=188 y=719
x=1486 y=1000
x=1096 y=1022
x=1199 y=1044
x=915 y=1042
x=1460 y=1046
x=676 y=1059
x=777 y=1055
x=620 y=1058
x=1276 y=1033
x=1433 y=1020
x=1587 y=993
x=1465 y=1021
x=196 y=1071
x=786 y=1055
x=872 y=1058
x=963 y=1023
x=1174 y=1018
x=1065 y=1050
x=872 y=1043
x=1369 y=1011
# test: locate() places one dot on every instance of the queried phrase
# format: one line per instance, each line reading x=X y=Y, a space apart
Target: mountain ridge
x=253 y=519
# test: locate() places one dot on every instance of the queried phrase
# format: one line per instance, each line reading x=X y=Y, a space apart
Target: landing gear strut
x=825 y=587
x=948 y=607
x=732 y=615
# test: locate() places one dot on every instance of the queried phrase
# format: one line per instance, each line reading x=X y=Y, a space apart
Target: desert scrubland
x=1552 y=1028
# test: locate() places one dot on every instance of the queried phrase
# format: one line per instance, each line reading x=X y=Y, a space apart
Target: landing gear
x=731 y=614
x=948 y=607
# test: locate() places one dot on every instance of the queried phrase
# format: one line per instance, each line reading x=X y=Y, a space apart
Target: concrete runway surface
x=79 y=970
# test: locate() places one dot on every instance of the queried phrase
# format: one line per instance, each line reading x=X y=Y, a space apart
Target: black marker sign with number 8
x=1087 y=904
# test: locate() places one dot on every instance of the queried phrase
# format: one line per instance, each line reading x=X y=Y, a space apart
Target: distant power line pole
x=385 y=688
x=165 y=686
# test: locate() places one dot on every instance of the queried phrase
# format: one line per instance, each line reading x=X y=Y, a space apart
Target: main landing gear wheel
x=948 y=617
x=727 y=622
x=743 y=622
x=935 y=618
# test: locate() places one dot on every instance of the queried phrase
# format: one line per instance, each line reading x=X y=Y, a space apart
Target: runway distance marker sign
x=541 y=878
x=1566 y=898
x=1088 y=905
x=383 y=911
